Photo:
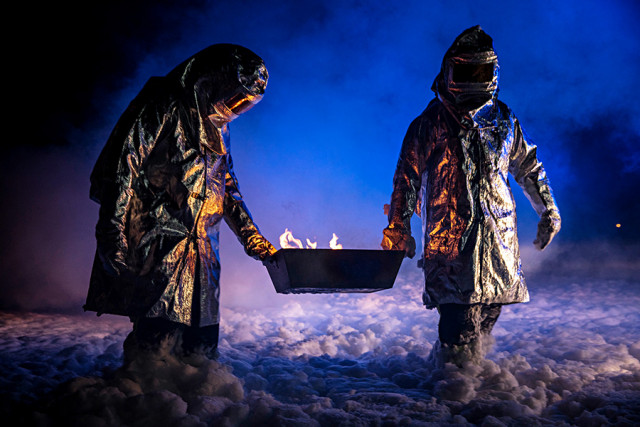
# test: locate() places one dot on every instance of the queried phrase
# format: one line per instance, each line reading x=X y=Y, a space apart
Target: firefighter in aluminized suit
x=453 y=170
x=164 y=181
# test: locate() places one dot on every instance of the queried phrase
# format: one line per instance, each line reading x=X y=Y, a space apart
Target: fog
x=570 y=356
x=317 y=156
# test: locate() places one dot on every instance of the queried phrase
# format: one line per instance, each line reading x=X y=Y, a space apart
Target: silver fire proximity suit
x=453 y=171
x=164 y=181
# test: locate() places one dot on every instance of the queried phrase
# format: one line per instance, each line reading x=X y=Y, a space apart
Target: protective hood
x=212 y=87
x=222 y=81
x=469 y=72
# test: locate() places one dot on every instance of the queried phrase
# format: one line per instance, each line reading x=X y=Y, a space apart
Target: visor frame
x=472 y=87
x=244 y=97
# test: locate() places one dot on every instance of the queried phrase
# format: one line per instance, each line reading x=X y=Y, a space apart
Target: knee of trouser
x=490 y=314
x=459 y=323
x=151 y=335
x=154 y=330
x=202 y=339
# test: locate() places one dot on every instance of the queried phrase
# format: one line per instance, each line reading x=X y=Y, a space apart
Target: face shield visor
x=473 y=79
x=249 y=91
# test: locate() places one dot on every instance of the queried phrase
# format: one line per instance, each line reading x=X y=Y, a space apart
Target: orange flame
x=287 y=241
x=333 y=244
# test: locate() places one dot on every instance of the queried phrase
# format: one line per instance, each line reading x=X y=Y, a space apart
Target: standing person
x=453 y=170
x=164 y=181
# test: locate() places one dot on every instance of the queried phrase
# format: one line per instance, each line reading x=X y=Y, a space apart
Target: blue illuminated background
x=317 y=155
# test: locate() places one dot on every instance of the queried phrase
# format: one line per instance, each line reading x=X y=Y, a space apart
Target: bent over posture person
x=164 y=181
x=453 y=170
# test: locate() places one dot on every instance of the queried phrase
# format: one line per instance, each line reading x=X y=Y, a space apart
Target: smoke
x=570 y=356
x=317 y=155
x=598 y=193
x=47 y=220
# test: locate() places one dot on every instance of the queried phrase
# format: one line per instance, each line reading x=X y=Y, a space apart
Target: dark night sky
x=317 y=155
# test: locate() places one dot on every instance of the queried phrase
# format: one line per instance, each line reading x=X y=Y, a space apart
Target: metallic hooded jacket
x=453 y=170
x=164 y=181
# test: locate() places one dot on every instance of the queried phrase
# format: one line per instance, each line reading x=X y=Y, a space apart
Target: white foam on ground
x=571 y=356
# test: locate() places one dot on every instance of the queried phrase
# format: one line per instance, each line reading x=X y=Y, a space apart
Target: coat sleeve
x=406 y=184
x=530 y=174
x=238 y=217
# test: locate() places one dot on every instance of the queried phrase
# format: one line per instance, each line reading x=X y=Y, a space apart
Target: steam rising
x=317 y=155
x=572 y=355
x=346 y=79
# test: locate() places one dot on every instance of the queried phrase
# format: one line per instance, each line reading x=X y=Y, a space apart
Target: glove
x=548 y=227
x=259 y=248
x=397 y=239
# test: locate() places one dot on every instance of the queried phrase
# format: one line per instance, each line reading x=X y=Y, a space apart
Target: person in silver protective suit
x=453 y=171
x=164 y=181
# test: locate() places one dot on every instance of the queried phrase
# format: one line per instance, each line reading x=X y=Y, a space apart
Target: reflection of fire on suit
x=453 y=170
x=164 y=181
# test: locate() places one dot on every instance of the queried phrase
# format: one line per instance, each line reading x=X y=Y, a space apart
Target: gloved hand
x=548 y=227
x=397 y=239
x=259 y=247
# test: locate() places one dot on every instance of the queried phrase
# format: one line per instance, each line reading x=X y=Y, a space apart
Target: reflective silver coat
x=164 y=182
x=453 y=170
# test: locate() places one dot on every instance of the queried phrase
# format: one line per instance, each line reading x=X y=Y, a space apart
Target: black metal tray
x=296 y=271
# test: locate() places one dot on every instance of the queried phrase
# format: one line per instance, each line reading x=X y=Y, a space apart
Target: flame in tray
x=333 y=244
x=287 y=241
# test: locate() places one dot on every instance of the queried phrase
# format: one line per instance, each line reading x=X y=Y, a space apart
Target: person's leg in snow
x=460 y=330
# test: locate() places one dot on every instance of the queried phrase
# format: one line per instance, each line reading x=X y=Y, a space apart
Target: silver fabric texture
x=164 y=182
x=453 y=171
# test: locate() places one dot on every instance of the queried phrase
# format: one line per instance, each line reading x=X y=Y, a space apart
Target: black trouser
x=148 y=333
x=463 y=323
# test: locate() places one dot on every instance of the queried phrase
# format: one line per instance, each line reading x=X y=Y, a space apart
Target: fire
x=287 y=241
x=333 y=244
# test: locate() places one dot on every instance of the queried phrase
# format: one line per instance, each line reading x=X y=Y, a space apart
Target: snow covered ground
x=569 y=357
